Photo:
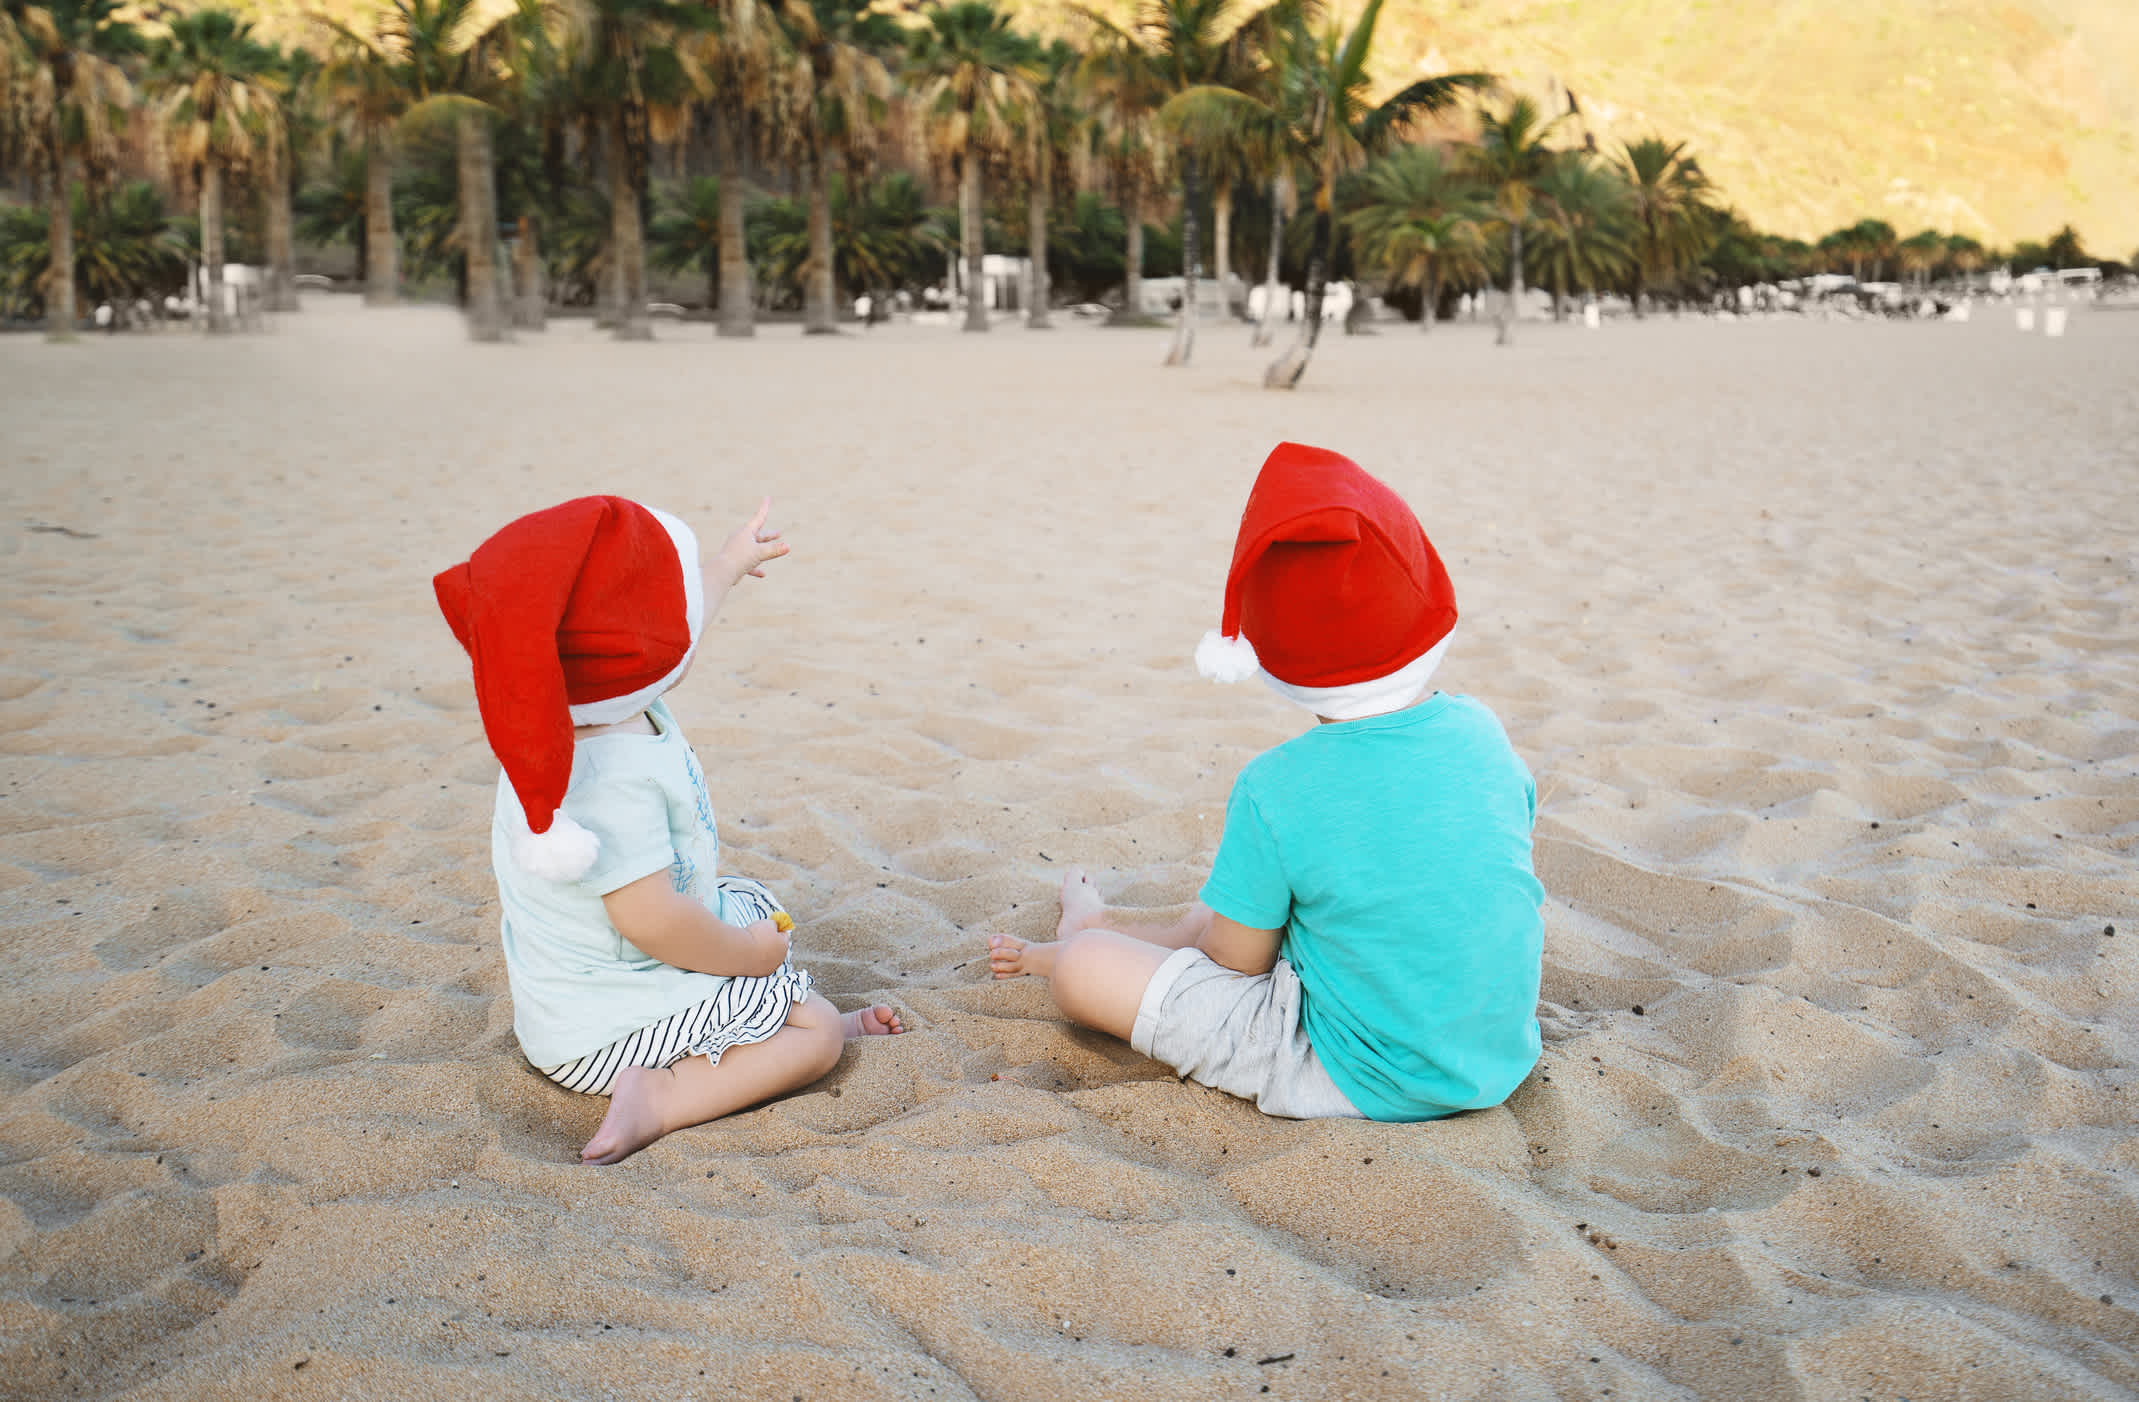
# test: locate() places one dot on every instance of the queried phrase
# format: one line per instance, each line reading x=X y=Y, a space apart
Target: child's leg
x=1099 y=964
x=646 y=1104
x=1082 y=909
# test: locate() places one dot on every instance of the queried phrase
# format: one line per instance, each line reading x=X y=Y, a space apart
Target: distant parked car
x=313 y=280
x=663 y=309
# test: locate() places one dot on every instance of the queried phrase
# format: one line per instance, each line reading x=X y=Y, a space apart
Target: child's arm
x=1238 y=947
x=662 y=923
x=748 y=551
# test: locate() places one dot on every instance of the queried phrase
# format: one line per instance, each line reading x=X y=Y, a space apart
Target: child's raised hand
x=749 y=549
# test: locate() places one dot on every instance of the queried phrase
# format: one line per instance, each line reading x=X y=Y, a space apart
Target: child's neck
x=640 y=724
x=1339 y=720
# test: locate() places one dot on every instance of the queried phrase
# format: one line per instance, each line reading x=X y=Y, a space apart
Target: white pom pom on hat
x=1224 y=659
x=565 y=853
x=1335 y=582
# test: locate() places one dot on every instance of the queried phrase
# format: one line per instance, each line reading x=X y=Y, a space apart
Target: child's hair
x=581 y=614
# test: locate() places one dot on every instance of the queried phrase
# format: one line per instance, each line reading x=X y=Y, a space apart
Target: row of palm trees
x=1188 y=103
x=1188 y=91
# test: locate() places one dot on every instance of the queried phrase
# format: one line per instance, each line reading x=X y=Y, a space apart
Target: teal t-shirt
x=578 y=985
x=1394 y=853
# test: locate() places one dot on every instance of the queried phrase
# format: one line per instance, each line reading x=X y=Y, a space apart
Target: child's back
x=1395 y=853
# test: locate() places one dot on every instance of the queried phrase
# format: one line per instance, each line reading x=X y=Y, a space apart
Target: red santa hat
x=1335 y=595
x=578 y=615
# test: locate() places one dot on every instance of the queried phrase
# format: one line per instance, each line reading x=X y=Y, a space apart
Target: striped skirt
x=745 y=1010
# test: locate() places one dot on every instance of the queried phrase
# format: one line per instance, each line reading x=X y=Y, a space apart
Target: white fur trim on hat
x=1224 y=659
x=1369 y=698
x=616 y=708
x=565 y=853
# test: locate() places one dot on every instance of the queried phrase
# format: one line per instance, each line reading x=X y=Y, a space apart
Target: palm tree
x=124 y=247
x=1584 y=231
x=63 y=100
x=685 y=234
x=1420 y=222
x=297 y=72
x=737 y=50
x=887 y=235
x=1510 y=159
x=1874 y=241
x=1919 y=253
x=1050 y=121
x=458 y=66
x=840 y=91
x=1964 y=255
x=974 y=72
x=217 y=106
x=2064 y=250
x=1229 y=158
x=1321 y=115
x=1124 y=95
x=530 y=92
x=1840 y=246
x=1671 y=209
x=367 y=84
x=637 y=79
x=1185 y=44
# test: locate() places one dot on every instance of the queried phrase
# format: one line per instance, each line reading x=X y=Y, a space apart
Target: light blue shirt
x=578 y=985
x=1394 y=853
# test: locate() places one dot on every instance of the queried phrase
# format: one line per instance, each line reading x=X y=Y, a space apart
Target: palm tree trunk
x=819 y=317
x=60 y=305
x=1515 y=284
x=1559 y=296
x=1644 y=255
x=530 y=305
x=1038 y=201
x=1221 y=243
x=281 y=256
x=627 y=244
x=1184 y=332
x=479 y=228
x=738 y=317
x=1433 y=299
x=1132 y=286
x=1285 y=373
x=1280 y=196
x=212 y=241
x=971 y=237
x=382 y=253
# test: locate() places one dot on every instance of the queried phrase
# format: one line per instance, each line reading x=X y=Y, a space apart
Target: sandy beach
x=1822 y=640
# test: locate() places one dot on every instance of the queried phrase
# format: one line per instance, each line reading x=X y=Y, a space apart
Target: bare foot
x=1010 y=956
x=879 y=1021
x=1081 y=906
x=635 y=1117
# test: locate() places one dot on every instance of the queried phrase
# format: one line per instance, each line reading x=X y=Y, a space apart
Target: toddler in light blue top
x=1369 y=940
x=637 y=971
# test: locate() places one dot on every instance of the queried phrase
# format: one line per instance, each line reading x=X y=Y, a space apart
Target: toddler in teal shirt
x=1369 y=941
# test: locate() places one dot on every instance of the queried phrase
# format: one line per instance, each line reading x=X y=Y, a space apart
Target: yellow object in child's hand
x=782 y=921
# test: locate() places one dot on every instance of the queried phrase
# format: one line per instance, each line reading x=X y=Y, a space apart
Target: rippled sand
x=1820 y=639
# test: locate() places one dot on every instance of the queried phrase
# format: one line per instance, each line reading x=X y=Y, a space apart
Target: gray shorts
x=1239 y=1033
